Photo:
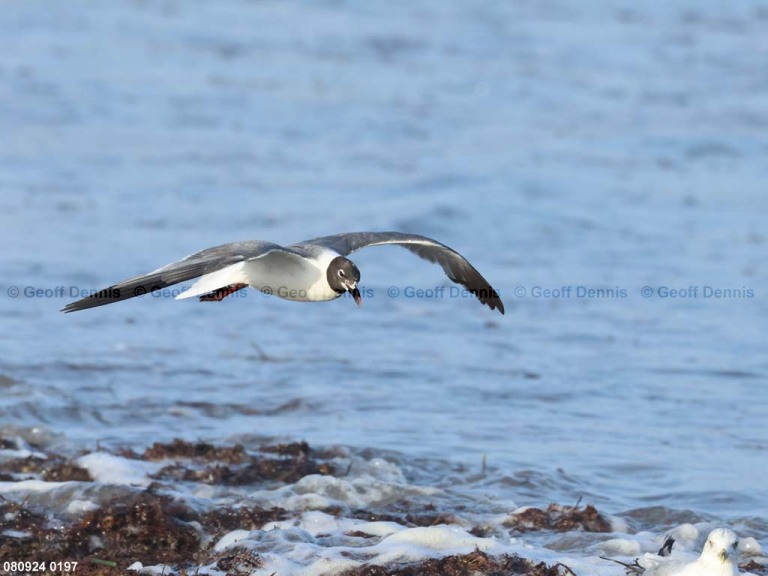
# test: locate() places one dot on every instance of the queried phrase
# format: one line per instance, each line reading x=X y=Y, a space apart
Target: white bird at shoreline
x=719 y=557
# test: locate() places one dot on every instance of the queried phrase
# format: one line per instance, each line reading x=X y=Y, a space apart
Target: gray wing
x=456 y=267
x=198 y=264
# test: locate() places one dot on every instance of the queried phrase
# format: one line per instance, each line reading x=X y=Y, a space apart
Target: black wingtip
x=497 y=302
x=84 y=304
x=79 y=305
x=100 y=298
x=489 y=297
x=494 y=305
x=666 y=548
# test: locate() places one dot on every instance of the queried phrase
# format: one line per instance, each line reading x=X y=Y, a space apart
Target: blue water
x=555 y=144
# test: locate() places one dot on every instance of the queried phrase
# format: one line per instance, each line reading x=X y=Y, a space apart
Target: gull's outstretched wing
x=198 y=264
x=456 y=267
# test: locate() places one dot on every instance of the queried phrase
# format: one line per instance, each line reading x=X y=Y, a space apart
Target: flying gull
x=311 y=271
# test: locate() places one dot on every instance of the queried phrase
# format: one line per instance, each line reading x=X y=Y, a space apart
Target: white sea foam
x=15 y=534
x=11 y=454
x=108 y=468
x=367 y=485
x=231 y=538
x=157 y=569
x=619 y=547
x=80 y=506
x=29 y=486
x=686 y=536
x=412 y=544
x=749 y=547
x=317 y=544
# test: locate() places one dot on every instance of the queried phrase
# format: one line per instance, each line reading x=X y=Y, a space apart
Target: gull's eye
x=709 y=543
x=735 y=544
x=341 y=273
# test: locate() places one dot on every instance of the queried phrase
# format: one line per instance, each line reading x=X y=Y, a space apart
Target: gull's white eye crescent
x=341 y=273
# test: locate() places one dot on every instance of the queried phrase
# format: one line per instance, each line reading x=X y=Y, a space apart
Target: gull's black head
x=343 y=276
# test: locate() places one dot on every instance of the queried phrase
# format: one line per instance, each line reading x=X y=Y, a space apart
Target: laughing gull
x=311 y=271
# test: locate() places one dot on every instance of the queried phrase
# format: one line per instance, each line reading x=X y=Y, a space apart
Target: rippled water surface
x=560 y=146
